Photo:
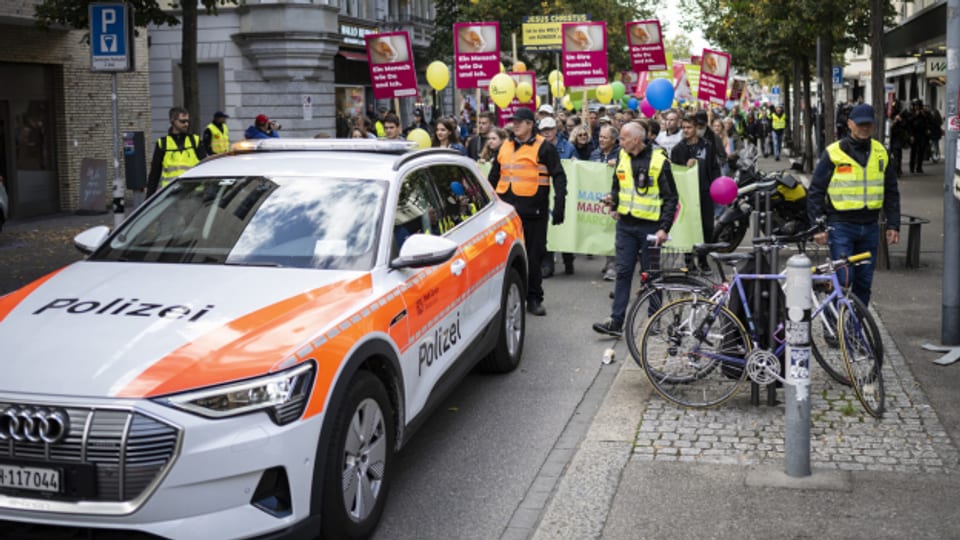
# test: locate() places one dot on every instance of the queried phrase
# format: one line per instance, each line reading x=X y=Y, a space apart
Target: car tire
x=361 y=456
x=509 y=349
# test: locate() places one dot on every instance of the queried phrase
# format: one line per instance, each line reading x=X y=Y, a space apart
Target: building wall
x=82 y=98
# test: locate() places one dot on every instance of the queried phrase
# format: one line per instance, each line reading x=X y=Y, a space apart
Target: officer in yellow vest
x=643 y=200
x=216 y=138
x=522 y=172
x=779 y=121
x=174 y=154
x=852 y=183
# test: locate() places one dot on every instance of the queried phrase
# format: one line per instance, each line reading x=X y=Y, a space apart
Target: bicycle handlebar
x=840 y=263
x=789 y=239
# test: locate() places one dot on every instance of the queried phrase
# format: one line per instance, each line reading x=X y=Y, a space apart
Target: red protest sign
x=584 y=51
x=476 y=48
x=392 y=73
x=645 y=40
x=714 y=72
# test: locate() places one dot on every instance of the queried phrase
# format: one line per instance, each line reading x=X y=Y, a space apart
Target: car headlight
x=282 y=395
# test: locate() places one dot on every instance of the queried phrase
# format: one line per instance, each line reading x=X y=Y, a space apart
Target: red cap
x=262 y=119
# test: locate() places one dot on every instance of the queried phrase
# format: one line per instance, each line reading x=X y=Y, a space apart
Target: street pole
x=950 y=327
x=118 y=190
x=797 y=390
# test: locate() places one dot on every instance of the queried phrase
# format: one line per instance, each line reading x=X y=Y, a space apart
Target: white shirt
x=667 y=142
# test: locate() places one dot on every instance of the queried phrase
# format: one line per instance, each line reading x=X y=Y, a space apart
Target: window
x=461 y=194
x=418 y=210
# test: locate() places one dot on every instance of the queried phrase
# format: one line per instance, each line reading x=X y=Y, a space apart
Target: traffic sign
x=775 y=90
x=837 y=75
x=110 y=31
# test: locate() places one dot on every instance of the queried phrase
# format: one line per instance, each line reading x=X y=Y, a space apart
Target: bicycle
x=697 y=353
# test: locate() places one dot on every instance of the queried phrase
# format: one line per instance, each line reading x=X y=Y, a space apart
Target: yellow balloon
x=438 y=75
x=502 y=69
x=519 y=66
x=604 y=93
x=538 y=101
x=502 y=89
x=557 y=89
x=567 y=103
x=524 y=92
x=421 y=137
x=554 y=76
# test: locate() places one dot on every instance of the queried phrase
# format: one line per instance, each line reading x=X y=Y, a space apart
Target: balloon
x=632 y=104
x=524 y=92
x=538 y=101
x=438 y=75
x=567 y=103
x=421 y=137
x=554 y=76
x=577 y=104
x=660 y=94
x=502 y=89
x=519 y=66
x=723 y=190
x=647 y=109
x=502 y=69
x=604 y=93
x=618 y=90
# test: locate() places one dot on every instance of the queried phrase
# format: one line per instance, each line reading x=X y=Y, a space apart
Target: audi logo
x=34 y=425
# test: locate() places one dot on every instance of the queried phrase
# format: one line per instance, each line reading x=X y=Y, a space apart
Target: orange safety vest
x=519 y=169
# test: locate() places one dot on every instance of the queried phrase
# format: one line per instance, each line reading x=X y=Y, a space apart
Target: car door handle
x=457 y=267
x=500 y=237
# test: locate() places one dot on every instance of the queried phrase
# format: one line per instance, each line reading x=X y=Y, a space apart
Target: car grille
x=128 y=448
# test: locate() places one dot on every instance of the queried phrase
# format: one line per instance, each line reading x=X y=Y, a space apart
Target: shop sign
x=353 y=35
x=936 y=66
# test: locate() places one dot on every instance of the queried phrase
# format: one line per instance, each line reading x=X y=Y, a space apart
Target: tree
x=679 y=46
x=74 y=13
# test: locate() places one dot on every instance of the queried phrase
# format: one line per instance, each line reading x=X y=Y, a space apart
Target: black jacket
x=818 y=205
x=156 y=165
x=640 y=164
x=538 y=206
x=706 y=156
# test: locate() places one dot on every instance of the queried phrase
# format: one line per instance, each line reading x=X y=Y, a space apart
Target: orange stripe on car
x=12 y=300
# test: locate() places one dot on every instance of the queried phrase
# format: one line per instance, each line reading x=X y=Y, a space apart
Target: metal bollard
x=797 y=389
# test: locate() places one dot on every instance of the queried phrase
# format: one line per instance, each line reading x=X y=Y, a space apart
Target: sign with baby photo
x=476 y=49
x=714 y=72
x=584 y=53
x=392 y=73
x=646 y=46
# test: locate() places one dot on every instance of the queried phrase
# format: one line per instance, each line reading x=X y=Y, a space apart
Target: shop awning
x=353 y=55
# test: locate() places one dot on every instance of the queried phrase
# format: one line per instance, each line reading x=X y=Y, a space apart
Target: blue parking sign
x=837 y=75
x=110 y=37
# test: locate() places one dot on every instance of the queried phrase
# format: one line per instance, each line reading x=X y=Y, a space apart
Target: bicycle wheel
x=824 y=340
x=863 y=366
x=694 y=352
x=651 y=298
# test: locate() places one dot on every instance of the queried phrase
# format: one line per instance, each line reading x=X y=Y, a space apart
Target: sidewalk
x=649 y=469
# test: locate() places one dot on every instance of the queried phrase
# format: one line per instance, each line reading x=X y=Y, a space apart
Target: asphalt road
x=485 y=460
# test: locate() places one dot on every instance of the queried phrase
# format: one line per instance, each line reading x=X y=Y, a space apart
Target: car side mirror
x=89 y=240
x=420 y=250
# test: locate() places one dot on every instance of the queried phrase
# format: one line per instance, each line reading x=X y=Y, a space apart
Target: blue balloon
x=632 y=104
x=660 y=94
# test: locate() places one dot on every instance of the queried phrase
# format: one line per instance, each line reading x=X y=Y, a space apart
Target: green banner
x=588 y=226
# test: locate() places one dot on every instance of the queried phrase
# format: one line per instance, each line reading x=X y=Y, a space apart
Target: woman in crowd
x=495 y=138
x=358 y=133
x=580 y=138
x=447 y=135
x=722 y=151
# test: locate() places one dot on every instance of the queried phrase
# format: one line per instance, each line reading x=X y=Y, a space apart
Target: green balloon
x=577 y=104
x=618 y=90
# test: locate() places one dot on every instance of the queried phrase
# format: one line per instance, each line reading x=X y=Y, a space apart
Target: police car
x=244 y=355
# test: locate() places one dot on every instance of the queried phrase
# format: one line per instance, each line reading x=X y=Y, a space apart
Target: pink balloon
x=647 y=109
x=723 y=190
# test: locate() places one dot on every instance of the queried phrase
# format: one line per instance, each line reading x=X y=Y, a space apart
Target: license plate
x=32 y=478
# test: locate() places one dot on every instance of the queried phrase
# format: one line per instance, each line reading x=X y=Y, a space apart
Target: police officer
x=522 y=172
x=176 y=153
x=852 y=183
x=216 y=137
x=643 y=199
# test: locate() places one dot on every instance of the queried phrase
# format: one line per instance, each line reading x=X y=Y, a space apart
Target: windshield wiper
x=267 y=264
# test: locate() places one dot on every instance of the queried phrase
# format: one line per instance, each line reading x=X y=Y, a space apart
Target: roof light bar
x=349 y=145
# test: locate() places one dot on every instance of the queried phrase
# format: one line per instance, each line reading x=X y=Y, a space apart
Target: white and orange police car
x=243 y=355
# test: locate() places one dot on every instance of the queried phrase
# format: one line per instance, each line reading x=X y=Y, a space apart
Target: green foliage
x=680 y=46
x=74 y=13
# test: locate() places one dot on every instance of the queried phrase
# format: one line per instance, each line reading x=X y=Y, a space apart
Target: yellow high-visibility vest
x=640 y=204
x=779 y=120
x=175 y=160
x=853 y=187
x=219 y=139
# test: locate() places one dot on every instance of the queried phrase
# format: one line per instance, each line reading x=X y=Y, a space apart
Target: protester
x=476 y=142
x=522 y=174
x=580 y=138
x=418 y=123
x=853 y=181
x=608 y=153
x=670 y=135
x=447 y=135
x=548 y=129
x=643 y=199
x=391 y=128
x=495 y=139
x=695 y=150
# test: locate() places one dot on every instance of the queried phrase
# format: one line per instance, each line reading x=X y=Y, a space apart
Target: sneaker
x=610 y=275
x=609 y=327
x=535 y=307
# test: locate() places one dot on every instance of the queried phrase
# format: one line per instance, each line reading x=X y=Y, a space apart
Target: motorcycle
x=788 y=203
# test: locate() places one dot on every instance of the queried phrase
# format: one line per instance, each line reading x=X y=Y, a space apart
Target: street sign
x=775 y=90
x=110 y=31
x=837 y=75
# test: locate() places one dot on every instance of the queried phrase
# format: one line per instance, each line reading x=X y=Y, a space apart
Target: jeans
x=631 y=240
x=848 y=239
x=777 y=142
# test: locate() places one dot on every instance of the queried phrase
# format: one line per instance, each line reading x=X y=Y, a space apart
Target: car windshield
x=292 y=222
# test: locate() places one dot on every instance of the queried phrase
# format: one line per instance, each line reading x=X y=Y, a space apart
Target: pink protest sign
x=584 y=52
x=646 y=46
x=506 y=113
x=391 y=65
x=476 y=48
x=714 y=70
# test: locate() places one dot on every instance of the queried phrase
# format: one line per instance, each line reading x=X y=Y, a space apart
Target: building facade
x=303 y=65
x=55 y=112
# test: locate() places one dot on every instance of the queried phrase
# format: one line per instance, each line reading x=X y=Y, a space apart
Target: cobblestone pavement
x=909 y=438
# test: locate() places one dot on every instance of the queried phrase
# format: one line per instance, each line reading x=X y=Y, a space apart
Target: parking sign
x=110 y=37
